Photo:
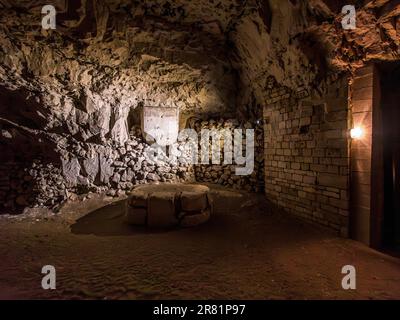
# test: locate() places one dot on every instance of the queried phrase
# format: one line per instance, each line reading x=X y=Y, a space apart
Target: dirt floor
x=244 y=252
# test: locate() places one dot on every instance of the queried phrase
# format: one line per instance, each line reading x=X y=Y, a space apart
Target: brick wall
x=307 y=153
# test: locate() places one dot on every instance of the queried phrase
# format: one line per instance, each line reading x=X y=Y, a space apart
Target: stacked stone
x=136 y=208
x=195 y=208
x=225 y=174
x=37 y=184
x=116 y=169
x=49 y=186
x=88 y=167
x=120 y=167
x=161 y=207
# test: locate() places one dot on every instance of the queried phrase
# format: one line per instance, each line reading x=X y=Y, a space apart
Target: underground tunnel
x=173 y=149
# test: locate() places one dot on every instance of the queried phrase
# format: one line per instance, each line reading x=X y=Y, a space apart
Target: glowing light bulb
x=356 y=133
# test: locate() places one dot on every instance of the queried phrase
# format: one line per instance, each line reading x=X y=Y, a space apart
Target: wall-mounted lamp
x=356 y=133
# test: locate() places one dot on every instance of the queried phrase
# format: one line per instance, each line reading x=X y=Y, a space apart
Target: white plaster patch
x=160 y=124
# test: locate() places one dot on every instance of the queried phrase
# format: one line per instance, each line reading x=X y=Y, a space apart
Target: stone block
x=331 y=180
x=362 y=165
x=340 y=161
x=337 y=116
x=71 y=169
x=364 y=71
x=193 y=201
x=363 y=119
x=106 y=171
x=297 y=178
x=361 y=226
x=361 y=178
x=295 y=166
x=135 y=216
x=366 y=81
x=333 y=152
x=138 y=199
x=161 y=210
x=337 y=104
x=362 y=94
x=91 y=167
x=305 y=121
x=341 y=204
x=333 y=134
x=361 y=153
x=309 y=180
x=362 y=106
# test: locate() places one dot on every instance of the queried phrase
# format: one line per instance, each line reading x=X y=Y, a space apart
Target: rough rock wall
x=24 y=185
x=266 y=46
x=76 y=86
x=376 y=37
x=302 y=43
x=88 y=167
x=107 y=57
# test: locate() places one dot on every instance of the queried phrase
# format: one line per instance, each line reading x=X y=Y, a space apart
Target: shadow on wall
x=23 y=151
x=22 y=108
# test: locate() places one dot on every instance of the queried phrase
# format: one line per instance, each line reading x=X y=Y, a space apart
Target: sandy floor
x=244 y=252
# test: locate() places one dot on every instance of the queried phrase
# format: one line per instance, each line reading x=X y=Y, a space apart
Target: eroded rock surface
x=72 y=92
